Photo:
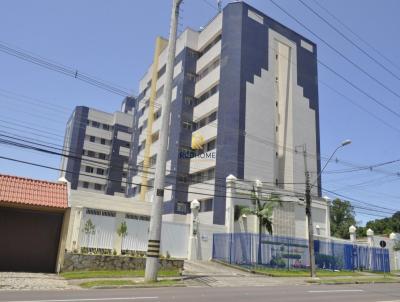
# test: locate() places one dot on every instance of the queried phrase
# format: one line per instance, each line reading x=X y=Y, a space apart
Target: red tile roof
x=34 y=192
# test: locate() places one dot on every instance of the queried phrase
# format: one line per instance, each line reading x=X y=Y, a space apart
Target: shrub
x=291 y=256
x=327 y=261
x=277 y=262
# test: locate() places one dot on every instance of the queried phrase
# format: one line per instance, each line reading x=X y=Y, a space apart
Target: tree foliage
x=262 y=208
x=122 y=230
x=342 y=217
x=89 y=228
x=385 y=226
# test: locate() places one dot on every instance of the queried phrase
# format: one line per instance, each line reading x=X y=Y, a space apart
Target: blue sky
x=114 y=40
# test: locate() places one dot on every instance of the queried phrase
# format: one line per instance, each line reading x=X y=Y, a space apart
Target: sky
x=114 y=41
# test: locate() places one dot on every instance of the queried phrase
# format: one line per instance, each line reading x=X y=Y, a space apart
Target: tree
x=342 y=216
x=385 y=226
x=263 y=211
x=89 y=229
x=122 y=231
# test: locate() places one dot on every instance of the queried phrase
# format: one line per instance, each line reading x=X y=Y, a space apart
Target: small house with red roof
x=32 y=224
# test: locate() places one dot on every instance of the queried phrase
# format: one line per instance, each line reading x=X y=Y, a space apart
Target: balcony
x=208 y=132
x=201 y=190
x=203 y=161
x=208 y=57
x=208 y=81
x=206 y=107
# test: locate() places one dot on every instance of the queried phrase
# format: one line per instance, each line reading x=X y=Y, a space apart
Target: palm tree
x=263 y=211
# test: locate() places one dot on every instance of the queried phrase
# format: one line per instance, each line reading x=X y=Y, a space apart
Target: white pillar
x=318 y=230
x=74 y=229
x=370 y=235
x=352 y=231
x=230 y=203
x=194 y=231
x=328 y=217
x=392 y=253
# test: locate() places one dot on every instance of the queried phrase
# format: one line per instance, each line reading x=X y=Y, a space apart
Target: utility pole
x=309 y=216
x=153 y=246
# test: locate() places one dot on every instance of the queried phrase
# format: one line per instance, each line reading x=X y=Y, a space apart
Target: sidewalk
x=33 y=281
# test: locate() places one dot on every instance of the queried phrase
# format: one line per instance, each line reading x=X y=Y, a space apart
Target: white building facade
x=246 y=92
x=97 y=145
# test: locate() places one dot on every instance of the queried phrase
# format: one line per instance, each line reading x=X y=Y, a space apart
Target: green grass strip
x=116 y=274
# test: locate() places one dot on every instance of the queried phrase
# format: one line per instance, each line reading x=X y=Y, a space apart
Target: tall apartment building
x=96 y=147
x=244 y=102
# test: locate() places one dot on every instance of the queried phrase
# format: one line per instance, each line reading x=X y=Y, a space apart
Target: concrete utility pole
x=153 y=247
x=308 y=202
x=309 y=216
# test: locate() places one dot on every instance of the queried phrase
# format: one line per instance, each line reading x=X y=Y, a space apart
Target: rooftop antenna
x=219 y=4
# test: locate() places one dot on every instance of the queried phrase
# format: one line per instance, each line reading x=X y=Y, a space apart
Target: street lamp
x=344 y=143
x=308 y=204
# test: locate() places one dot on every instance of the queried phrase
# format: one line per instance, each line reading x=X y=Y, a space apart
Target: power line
x=391 y=62
x=68 y=71
x=357 y=200
x=348 y=39
x=380 y=83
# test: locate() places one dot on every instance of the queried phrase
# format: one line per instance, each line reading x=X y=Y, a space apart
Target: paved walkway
x=207 y=273
x=33 y=281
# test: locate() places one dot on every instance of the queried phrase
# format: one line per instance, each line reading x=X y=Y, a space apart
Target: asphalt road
x=342 y=293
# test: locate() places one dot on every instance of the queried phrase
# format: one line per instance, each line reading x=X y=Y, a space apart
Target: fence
x=98 y=232
x=287 y=252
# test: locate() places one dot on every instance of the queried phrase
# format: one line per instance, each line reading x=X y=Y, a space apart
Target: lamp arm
x=327 y=162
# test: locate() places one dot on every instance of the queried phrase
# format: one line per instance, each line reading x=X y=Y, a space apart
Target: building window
x=160 y=92
x=91 y=154
x=181 y=207
x=95 y=124
x=206 y=205
x=98 y=187
x=211 y=145
x=100 y=171
x=190 y=101
x=89 y=169
x=150 y=183
x=92 y=139
x=153 y=160
x=103 y=141
x=210 y=45
x=161 y=71
x=155 y=137
x=187 y=125
x=205 y=121
x=85 y=184
x=106 y=127
x=207 y=94
x=157 y=114
x=202 y=176
x=102 y=156
x=208 y=69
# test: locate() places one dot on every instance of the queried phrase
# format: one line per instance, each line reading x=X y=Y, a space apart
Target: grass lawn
x=356 y=280
x=119 y=283
x=302 y=273
x=116 y=274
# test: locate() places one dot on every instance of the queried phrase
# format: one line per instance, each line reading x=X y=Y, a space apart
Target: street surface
x=299 y=293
